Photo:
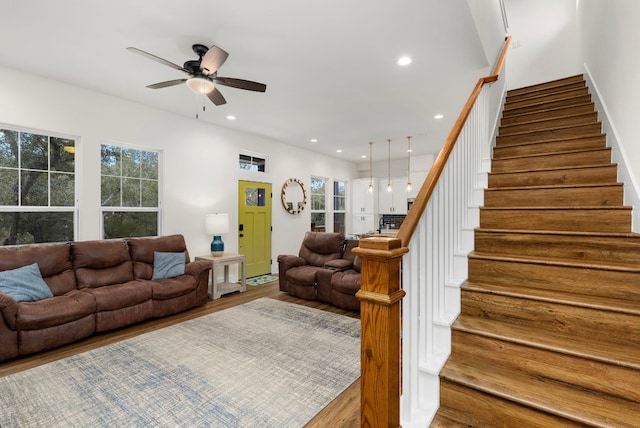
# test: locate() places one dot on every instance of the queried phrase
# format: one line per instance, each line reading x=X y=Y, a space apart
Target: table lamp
x=216 y=225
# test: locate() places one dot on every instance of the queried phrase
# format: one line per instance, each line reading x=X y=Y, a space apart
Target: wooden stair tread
x=572 y=403
x=504 y=129
x=536 y=97
x=472 y=408
x=559 y=168
x=547 y=85
x=572 y=208
x=579 y=347
x=553 y=128
x=522 y=117
x=555 y=296
x=553 y=140
x=608 y=265
x=555 y=186
x=567 y=233
x=564 y=152
x=545 y=105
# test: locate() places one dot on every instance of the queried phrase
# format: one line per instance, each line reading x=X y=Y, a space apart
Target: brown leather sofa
x=310 y=275
x=97 y=286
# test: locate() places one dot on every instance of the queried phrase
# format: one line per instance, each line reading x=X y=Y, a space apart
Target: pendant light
x=370 y=166
x=389 y=165
x=408 y=163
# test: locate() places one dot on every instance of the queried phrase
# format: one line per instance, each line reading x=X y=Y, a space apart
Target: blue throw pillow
x=24 y=284
x=168 y=265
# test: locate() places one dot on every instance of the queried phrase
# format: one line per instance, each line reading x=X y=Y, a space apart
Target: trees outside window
x=318 y=204
x=339 y=206
x=37 y=187
x=129 y=192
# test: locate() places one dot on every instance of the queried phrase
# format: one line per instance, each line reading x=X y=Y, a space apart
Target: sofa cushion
x=142 y=252
x=347 y=282
x=173 y=287
x=24 y=284
x=100 y=263
x=168 y=265
x=319 y=247
x=55 y=311
x=54 y=261
x=302 y=275
x=118 y=296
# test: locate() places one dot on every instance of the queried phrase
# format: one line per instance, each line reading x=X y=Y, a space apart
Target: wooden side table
x=218 y=289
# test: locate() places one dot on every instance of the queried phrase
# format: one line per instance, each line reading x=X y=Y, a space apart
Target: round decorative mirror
x=293 y=195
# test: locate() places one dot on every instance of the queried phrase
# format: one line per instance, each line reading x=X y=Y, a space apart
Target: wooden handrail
x=413 y=216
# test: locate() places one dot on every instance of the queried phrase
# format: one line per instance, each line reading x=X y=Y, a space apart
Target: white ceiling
x=329 y=66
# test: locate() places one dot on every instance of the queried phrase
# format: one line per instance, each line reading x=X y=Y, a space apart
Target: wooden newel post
x=380 y=297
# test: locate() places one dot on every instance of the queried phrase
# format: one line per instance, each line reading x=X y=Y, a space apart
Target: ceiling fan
x=203 y=73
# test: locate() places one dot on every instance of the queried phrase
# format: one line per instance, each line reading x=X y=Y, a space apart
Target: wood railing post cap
x=380 y=245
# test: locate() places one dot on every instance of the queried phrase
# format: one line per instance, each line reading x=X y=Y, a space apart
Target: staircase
x=549 y=329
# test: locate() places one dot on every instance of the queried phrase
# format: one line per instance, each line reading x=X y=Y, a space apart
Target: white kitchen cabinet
x=362 y=223
x=362 y=201
x=394 y=202
x=363 y=207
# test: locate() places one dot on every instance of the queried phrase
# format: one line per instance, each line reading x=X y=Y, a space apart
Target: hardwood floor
x=344 y=411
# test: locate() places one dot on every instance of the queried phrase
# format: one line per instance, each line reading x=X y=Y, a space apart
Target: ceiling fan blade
x=156 y=59
x=216 y=97
x=166 y=84
x=241 y=84
x=212 y=60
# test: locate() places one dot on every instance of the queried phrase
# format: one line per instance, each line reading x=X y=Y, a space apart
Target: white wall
x=200 y=161
x=544 y=37
x=488 y=18
x=609 y=36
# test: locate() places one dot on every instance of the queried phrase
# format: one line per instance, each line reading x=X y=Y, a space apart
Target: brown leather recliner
x=299 y=274
x=345 y=284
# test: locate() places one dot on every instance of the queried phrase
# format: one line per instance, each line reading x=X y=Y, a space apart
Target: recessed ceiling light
x=314 y=140
x=231 y=117
x=363 y=156
x=339 y=151
x=404 y=60
x=438 y=116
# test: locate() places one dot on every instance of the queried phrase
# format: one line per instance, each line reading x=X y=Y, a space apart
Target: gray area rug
x=266 y=363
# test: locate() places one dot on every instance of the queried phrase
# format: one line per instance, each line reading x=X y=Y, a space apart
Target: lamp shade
x=216 y=224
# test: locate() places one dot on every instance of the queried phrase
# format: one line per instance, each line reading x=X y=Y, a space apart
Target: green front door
x=254 y=224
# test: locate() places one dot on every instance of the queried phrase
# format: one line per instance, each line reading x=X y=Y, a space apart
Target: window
x=318 y=204
x=37 y=187
x=339 y=206
x=252 y=163
x=129 y=192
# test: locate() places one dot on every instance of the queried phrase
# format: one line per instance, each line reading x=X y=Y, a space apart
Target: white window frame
x=158 y=209
x=76 y=179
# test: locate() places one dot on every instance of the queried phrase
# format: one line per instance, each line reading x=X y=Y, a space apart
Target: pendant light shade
x=408 y=163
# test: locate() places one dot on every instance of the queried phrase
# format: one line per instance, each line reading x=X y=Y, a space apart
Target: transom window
x=129 y=192
x=252 y=163
x=37 y=187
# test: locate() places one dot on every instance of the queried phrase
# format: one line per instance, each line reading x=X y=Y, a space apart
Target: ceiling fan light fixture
x=200 y=85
